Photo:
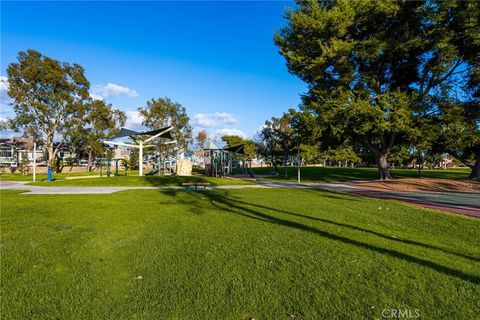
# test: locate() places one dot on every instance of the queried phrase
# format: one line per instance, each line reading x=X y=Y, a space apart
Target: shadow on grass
x=349 y=226
x=335 y=174
x=222 y=201
x=155 y=181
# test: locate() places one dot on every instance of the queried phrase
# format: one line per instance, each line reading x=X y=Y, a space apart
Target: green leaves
x=48 y=97
x=233 y=141
x=375 y=68
x=101 y=122
x=163 y=112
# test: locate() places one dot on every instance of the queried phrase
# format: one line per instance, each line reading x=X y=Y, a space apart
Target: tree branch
x=432 y=82
x=371 y=147
x=460 y=158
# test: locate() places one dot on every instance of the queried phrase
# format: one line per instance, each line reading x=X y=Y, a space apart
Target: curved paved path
x=22 y=185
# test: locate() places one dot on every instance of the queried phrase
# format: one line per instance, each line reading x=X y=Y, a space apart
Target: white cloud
x=229 y=132
x=4 y=98
x=216 y=135
x=3 y=84
x=111 y=90
x=133 y=119
x=5 y=108
x=96 y=96
x=214 y=120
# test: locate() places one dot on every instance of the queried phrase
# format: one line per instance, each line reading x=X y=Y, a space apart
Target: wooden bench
x=187 y=185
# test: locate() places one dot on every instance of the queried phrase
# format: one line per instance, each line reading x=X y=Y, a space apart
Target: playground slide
x=151 y=173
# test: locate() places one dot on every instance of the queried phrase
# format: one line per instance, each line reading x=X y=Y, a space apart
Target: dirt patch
x=422 y=185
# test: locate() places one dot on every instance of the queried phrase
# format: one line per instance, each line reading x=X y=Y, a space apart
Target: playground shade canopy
x=240 y=149
x=141 y=138
x=134 y=134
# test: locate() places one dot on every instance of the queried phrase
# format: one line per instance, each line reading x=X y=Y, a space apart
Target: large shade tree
x=460 y=133
x=102 y=122
x=48 y=97
x=458 y=111
x=373 y=67
x=278 y=139
x=249 y=145
x=163 y=112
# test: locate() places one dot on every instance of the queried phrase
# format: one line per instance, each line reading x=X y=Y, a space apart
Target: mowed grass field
x=333 y=174
x=43 y=176
x=65 y=175
x=233 y=254
x=308 y=174
x=146 y=181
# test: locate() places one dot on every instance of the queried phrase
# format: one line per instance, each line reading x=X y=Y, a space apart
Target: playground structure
x=140 y=140
x=108 y=163
x=219 y=162
x=162 y=167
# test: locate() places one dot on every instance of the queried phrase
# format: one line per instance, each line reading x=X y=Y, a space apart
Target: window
x=6 y=153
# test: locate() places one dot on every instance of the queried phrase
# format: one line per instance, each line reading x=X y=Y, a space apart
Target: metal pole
x=140 y=159
x=298 y=163
x=34 y=160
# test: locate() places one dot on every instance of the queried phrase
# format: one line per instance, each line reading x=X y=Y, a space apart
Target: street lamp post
x=34 y=160
x=298 y=162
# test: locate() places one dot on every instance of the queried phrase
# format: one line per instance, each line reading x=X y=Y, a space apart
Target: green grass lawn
x=43 y=176
x=140 y=181
x=233 y=254
x=308 y=174
x=332 y=174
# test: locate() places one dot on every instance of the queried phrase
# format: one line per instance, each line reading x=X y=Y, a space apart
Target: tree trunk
x=274 y=163
x=89 y=164
x=382 y=163
x=50 y=154
x=475 y=174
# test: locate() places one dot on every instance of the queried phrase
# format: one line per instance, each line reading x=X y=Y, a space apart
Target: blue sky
x=216 y=58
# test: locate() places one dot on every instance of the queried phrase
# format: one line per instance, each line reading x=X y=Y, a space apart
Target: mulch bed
x=422 y=185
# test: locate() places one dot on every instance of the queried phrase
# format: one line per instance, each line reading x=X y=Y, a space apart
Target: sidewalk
x=22 y=185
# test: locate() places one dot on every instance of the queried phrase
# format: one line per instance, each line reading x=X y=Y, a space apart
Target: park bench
x=187 y=185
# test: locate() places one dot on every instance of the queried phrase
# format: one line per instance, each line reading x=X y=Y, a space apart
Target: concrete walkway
x=22 y=185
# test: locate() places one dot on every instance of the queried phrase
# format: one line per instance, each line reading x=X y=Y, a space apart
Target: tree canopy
x=375 y=68
x=249 y=145
x=102 y=122
x=49 y=97
x=163 y=112
x=280 y=137
x=201 y=138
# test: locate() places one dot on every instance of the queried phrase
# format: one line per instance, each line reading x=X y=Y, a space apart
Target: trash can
x=49 y=174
